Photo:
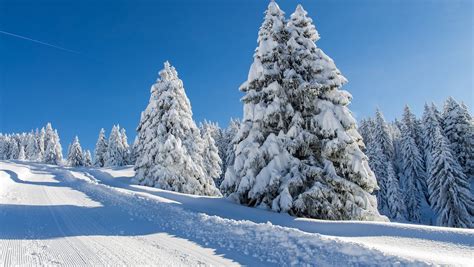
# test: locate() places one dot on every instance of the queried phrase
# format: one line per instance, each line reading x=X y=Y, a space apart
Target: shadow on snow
x=227 y=209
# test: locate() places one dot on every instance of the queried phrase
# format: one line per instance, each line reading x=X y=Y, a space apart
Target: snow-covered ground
x=54 y=215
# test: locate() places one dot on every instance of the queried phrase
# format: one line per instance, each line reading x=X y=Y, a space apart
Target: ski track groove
x=140 y=239
x=92 y=226
x=123 y=257
x=74 y=246
x=83 y=238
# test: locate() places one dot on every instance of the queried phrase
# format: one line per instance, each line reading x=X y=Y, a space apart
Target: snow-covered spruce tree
x=14 y=148
x=21 y=153
x=414 y=175
x=366 y=129
x=213 y=128
x=48 y=134
x=378 y=162
x=100 y=152
x=437 y=114
x=217 y=134
x=449 y=187
x=381 y=152
x=382 y=135
x=388 y=196
x=32 y=151
x=397 y=147
x=6 y=147
x=9 y=146
x=469 y=117
x=169 y=143
x=87 y=158
x=126 y=147
x=396 y=134
x=3 y=147
x=115 y=150
x=228 y=143
x=317 y=96
x=459 y=129
x=53 y=152
x=75 y=157
x=68 y=153
x=430 y=124
x=211 y=160
x=394 y=199
x=266 y=111
x=414 y=126
x=297 y=148
x=40 y=139
x=133 y=151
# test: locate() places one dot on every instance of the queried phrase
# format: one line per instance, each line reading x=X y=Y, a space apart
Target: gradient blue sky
x=392 y=52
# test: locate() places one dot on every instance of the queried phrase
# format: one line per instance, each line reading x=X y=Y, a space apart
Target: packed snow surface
x=53 y=215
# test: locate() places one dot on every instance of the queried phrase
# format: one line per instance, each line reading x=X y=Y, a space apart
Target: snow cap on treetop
x=168 y=73
x=300 y=10
x=273 y=8
x=300 y=17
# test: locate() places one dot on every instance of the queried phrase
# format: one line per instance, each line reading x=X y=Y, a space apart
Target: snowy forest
x=424 y=166
x=297 y=148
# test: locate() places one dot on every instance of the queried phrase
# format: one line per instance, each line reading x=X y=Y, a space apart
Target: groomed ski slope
x=53 y=215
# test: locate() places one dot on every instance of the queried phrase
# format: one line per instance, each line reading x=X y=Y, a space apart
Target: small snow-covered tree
x=87 y=158
x=414 y=174
x=211 y=160
x=49 y=134
x=53 y=152
x=115 y=150
x=40 y=139
x=32 y=149
x=228 y=147
x=100 y=152
x=213 y=128
x=378 y=162
x=414 y=126
x=126 y=147
x=133 y=151
x=449 y=187
x=68 y=153
x=75 y=157
x=216 y=133
x=459 y=129
x=430 y=124
x=7 y=147
x=388 y=196
x=169 y=143
x=3 y=146
x=437 y=114
x=214 y=149
x=366 y=130
x=382 y=135
x=21 y=153
x=14 y=147
x=230 y=134
x=396 y=134
x=394 y=199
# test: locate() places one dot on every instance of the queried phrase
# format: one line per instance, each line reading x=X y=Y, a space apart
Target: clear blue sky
x=392 y=52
